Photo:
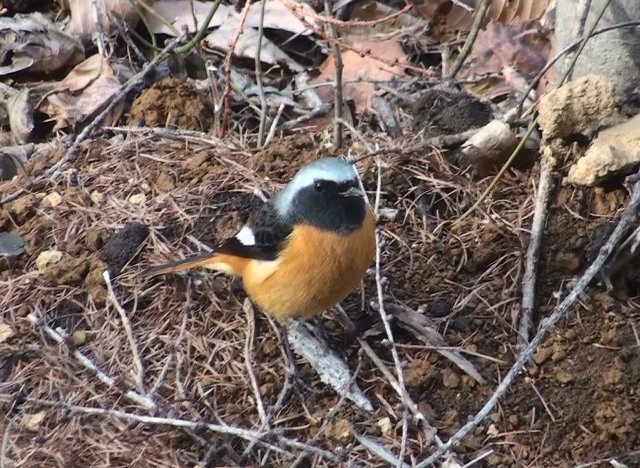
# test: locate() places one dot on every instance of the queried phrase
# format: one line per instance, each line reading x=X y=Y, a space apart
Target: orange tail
x=214 y=261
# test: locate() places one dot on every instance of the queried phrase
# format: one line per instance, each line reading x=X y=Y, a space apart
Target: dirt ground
x=134 y=200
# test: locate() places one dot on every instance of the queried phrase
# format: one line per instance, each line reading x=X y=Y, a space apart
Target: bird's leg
x=294 y=373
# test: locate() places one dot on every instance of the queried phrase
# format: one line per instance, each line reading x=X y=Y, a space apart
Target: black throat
x=329 y=210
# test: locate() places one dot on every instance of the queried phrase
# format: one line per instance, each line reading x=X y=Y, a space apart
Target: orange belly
x=316 y=270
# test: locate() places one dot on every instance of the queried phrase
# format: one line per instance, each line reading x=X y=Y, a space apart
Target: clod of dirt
x=24 y=208
x=94 y=239
x=68 y=270
x=443 y=112
x=417 y=373
x=576 y=106
x=123 y=246
x=4 y=219
x=94 y=283
x=53 y=199
x=172 y=102
x=615 y=151
x=568 y=261
x=450 y=379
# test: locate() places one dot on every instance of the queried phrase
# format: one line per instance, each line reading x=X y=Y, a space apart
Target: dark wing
x=269 y=231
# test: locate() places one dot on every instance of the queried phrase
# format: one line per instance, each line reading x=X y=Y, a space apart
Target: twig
x=183 y=49
x=547 y=325
x=226 y=94
x=135 y=397
x=337 y=89
x=263 y=99
x=471 y=38
x=387 y=326
x=248 y=351
x=196 y=426
x=137 y=362
x=545 y=186
x=582 y=12
x=274 y=124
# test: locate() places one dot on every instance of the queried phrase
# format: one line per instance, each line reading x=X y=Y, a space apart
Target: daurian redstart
x=305 y=250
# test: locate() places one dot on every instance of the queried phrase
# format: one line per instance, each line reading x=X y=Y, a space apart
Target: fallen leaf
x=169 y=16
x=82 y=16
x=11 y=245
x=32 y=42
x=6 y=332
x=84 y=90
x=277 y=15
x=360 y=71
x=20 y=111
x=247 y=45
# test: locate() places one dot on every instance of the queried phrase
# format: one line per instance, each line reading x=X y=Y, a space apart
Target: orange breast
x=316 y=270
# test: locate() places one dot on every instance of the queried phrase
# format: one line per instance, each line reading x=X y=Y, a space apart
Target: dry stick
x=547 y=325
x=471 y=38
x=248 y=350
x=582 y=11
x=193 y=425
x=545 y=186
x=263 y=99
x=541 y=208
x=387 y=327
x=137 y=362
x=135 y=397
x=226 y=94
x=337 y=89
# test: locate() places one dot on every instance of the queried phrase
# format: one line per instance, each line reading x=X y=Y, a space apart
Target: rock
x=24 y=208
x=52 y=200
x=138 y=199
x=615 y=150
x=46 y=258
x=6 y=332
x=490 y=148
x=575 y=106
x=32 y=422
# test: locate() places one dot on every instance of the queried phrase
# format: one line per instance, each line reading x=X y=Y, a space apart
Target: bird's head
x=326 y=194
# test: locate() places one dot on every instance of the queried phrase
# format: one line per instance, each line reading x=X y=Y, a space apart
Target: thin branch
x=110 y=382
x=337 y=89
x=248 y=351
x=226 y=94
x=263 y=99
x=480 y=13
x=545 y=186
x=137 y=362
x=547 y=325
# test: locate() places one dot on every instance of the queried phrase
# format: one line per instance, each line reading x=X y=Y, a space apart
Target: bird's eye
x=318 y=186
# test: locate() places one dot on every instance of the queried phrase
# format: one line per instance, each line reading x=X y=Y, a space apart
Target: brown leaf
x=360 y=70
x=460 y=18
x=87 y=87
x=82 y=19
x=31 y=42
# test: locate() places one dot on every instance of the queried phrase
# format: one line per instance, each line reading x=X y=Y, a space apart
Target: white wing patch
x=246 y=236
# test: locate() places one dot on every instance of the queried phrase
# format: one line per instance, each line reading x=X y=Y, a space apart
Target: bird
x=304 y=250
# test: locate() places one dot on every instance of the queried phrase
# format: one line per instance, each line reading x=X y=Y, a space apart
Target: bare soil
x=130 y=202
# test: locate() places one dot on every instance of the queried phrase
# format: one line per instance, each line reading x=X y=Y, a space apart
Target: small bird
x=305 y=250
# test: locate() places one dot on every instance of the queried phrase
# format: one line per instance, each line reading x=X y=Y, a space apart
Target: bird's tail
x=214 y=261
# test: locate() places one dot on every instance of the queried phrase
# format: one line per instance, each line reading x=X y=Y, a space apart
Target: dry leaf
x=277 y=15
x=357 y=67
x=6 y=332
x=20 y=111
x=460 y=18
x=84 y=90
x=82 y=18
x=178 y=14
x=247 y=45
x=32 y=42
